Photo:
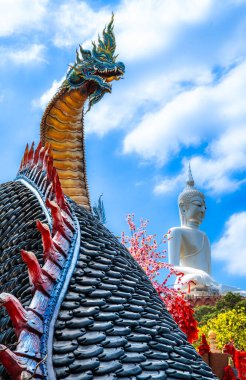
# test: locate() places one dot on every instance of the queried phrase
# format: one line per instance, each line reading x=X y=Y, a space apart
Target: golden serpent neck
x=62 y=127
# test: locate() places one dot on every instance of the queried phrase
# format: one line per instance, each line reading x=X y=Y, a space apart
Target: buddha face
x=194 y=212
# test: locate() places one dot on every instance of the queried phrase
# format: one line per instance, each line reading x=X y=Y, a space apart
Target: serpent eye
x=103 y=57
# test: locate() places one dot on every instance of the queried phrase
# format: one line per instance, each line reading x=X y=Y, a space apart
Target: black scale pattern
x=19 y=209
x=112 y=324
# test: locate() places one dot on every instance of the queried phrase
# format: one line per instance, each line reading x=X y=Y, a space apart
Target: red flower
x=228 y=373
x=204 y=346
x=144 y=249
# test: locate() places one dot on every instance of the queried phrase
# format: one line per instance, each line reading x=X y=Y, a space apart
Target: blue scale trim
x=40 y=193
x=55 y=295
x=61 y=282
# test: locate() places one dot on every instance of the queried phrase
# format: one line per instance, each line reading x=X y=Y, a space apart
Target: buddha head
x=191 y=203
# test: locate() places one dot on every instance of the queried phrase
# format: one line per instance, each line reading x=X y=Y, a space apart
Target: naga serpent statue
x=74 y=304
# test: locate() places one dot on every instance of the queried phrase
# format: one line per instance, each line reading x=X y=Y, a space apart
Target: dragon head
x=96 y=68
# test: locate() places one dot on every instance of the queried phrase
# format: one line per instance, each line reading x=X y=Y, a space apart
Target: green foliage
x=230 y=301
x=201 y=311
x=241 y=303
x=228 y=325
x=204 y=313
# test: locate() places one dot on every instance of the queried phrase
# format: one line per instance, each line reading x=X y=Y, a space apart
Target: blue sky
x=182 y=99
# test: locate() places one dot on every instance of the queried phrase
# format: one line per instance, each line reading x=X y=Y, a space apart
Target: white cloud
x=161 y=134
x=167 y=185
x=216 y=173
x=30 y=54
x=21 y=15
x=142 y=93
x=47 y=95
x=75 y=22
x=216 y=170
x=231 y=248
x=144 y=27
x=213 y=115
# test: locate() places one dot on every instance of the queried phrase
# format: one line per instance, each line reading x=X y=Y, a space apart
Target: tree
x=228 y=302
x=144 y=249
x=230 y=325
x=241 y=304
x=204 y=313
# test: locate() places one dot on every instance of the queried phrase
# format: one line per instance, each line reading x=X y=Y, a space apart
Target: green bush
x=228 y=325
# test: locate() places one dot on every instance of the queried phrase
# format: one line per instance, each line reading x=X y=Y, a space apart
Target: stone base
x=202 y=300
x=217 y=362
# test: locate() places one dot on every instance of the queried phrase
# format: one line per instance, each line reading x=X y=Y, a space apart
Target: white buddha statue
x=188 y=247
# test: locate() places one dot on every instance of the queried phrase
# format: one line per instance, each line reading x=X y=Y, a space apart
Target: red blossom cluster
x=144 y=249
x=230 y=348
x=239 y=360
x=204 y=346
x=228 y=373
